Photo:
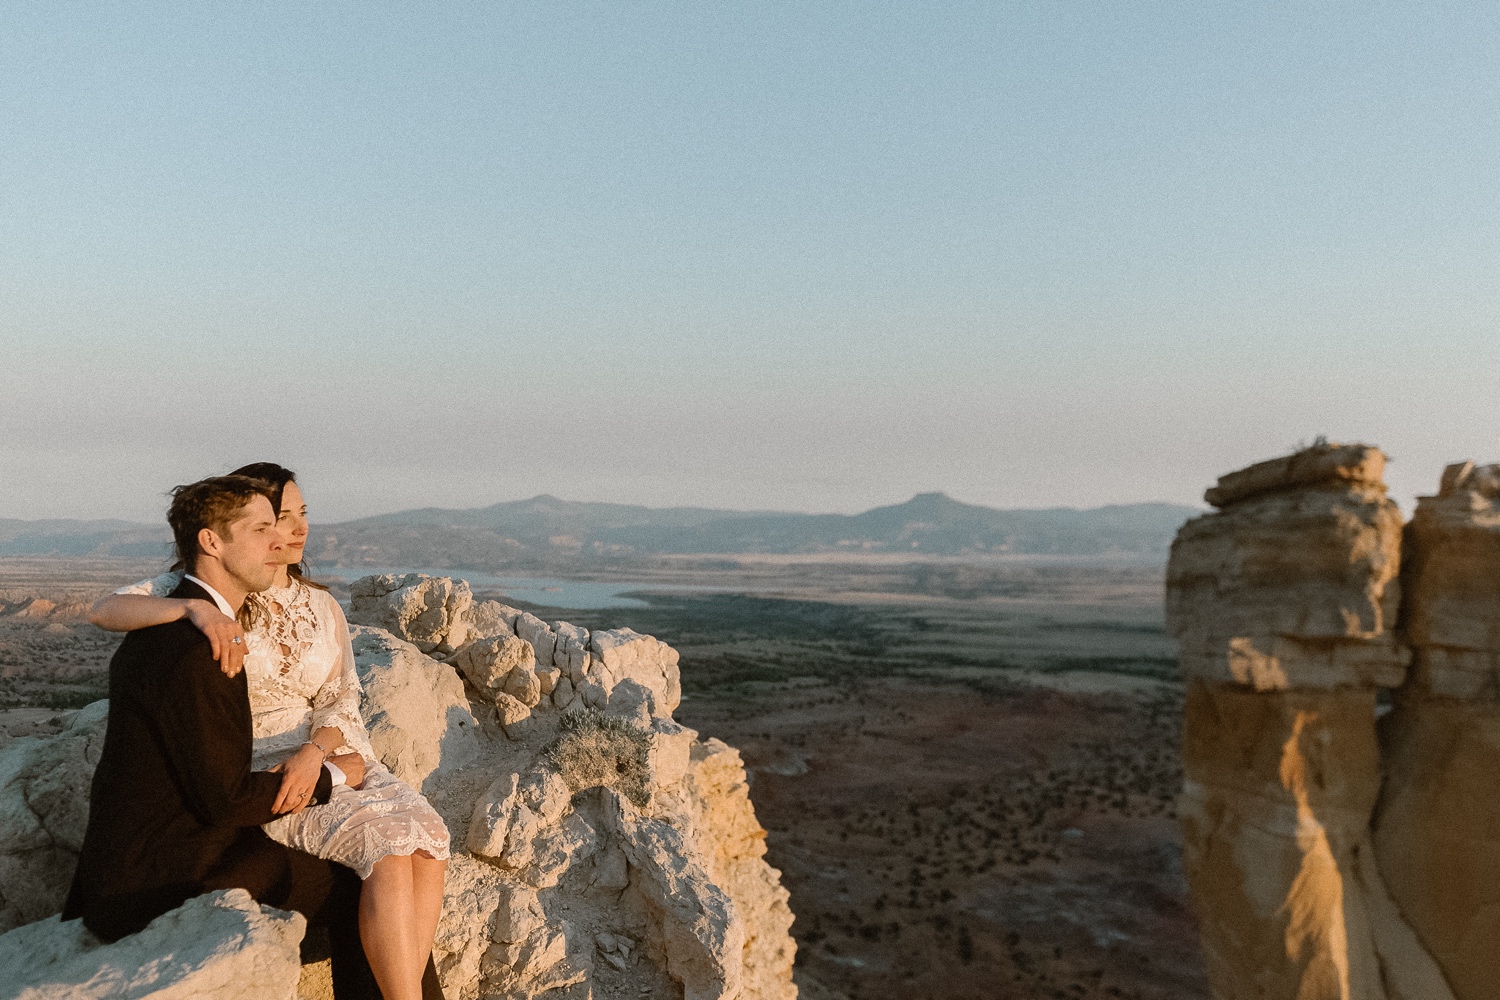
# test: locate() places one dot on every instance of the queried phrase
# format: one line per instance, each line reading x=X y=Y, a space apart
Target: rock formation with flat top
x=1292 y=582
x=1284 y=602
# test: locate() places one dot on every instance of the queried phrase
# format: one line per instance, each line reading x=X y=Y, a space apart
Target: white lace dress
x=299 y=664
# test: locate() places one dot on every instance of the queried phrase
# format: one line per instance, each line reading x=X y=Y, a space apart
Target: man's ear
x=209 y=543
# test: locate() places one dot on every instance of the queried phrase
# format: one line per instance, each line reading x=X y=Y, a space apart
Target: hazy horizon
x=782 y=257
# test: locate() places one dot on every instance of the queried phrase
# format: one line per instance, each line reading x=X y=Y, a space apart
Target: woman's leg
x=427 y=894
x=388 y=928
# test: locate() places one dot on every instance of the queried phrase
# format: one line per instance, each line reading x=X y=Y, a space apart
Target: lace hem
x=353 y=731
x=359 y=826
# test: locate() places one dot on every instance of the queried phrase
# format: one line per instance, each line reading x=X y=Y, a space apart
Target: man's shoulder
x=187 y=588
x=165 y=644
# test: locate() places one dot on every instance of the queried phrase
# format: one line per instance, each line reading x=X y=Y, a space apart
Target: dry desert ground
x=967 y=776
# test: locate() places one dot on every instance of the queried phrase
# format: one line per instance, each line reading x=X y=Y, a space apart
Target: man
x=175 y=810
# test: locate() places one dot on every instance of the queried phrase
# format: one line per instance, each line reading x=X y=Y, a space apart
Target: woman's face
x=292 y=524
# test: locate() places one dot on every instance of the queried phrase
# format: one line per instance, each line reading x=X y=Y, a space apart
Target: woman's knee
x=391 y=865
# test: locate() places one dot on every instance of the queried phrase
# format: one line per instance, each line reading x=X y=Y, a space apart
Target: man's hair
x=209 y=503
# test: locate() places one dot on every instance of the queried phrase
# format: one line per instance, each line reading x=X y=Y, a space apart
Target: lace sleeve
x=337 y=701
x=159 y=586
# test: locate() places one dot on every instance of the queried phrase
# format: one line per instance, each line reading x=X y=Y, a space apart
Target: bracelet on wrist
x=315 y=743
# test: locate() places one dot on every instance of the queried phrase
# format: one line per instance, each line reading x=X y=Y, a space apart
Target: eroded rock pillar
x=1437 y=833
x=1284 y=603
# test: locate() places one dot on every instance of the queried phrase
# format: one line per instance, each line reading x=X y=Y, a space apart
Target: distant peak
x=932 y=501
x=546 y=500
x=927 y=505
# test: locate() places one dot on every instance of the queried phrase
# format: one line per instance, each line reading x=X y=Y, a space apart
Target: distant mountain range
x=82 y=538
x=547 y=532
x=545 y=529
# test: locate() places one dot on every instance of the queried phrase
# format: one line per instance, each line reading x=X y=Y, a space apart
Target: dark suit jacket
x=175 y=810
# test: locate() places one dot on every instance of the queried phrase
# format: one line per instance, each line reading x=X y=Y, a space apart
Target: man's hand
x=353 y=766
x=299 y=777
x=224 y=634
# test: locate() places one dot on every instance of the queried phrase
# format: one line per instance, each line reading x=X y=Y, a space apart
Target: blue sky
x=801 y=256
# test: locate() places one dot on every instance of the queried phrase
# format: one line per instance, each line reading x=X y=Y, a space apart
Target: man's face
x=251 y=549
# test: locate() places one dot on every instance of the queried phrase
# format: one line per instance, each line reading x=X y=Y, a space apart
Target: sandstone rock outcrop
x=1292 y=583
x=1276 y=845
x=1452 y=586
x=596 y=840
x=44 y=807
x=223 y=946
x=415 y=708
x=512 y=657
x=597 y=843
x=1437 y=831
x=429 y=612
x=1285 y=603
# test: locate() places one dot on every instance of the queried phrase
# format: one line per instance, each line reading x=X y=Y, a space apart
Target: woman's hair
x=277 y=477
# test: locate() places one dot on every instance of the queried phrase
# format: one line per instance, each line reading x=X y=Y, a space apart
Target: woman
x=304 y=702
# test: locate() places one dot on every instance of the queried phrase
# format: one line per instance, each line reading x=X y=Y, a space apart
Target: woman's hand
x=299 y=777
x=224 y=634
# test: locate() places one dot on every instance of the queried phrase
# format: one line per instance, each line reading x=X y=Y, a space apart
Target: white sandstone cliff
x=222 y=946
x=599 y=848
x=44 y=807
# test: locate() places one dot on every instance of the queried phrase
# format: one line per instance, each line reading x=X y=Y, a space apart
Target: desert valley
x=967 y=762
x=865 y=772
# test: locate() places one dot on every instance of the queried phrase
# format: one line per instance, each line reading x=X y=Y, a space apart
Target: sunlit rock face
x=598 y=845
x=1449 y=615
x=1285 y=603
x=599 y=848
x=222 y=946
x=1292 y=583
x=1276 y=846
x=1438 y=827
x=44 y=808
x=429 y=612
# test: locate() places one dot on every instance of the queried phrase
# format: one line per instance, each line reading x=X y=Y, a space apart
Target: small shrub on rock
x=592 y=749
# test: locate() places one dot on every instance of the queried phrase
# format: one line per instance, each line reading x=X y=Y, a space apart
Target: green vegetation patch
x=592 y=750
x=1158 y=667
x=731 y=644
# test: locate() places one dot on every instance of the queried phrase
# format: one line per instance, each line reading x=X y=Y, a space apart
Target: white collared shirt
x=218 y=597
x=334 y=771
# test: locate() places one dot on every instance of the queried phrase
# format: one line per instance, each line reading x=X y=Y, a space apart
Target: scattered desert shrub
x=70 y=699
x=592 y=750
